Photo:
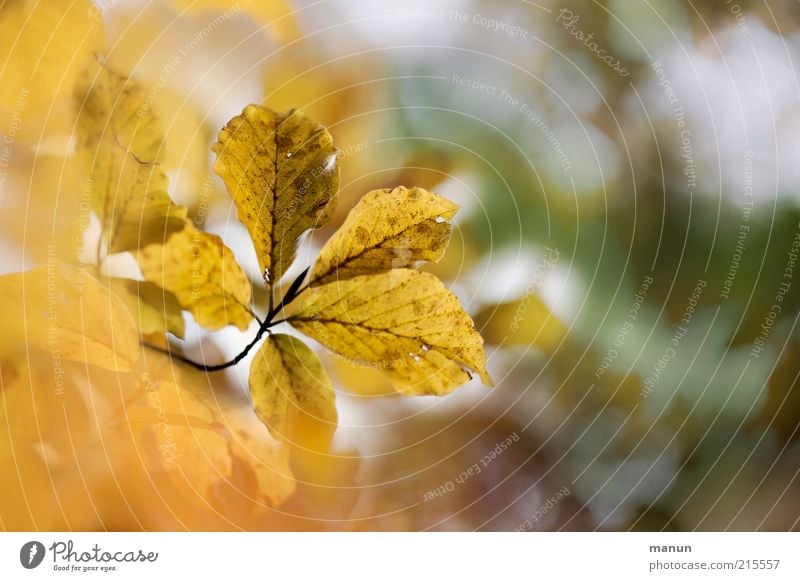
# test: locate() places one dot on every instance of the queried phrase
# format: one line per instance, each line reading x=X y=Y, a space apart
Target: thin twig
x=264 y=327
x=219 y=366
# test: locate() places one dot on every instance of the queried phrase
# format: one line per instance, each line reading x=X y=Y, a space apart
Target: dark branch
x=270 y=321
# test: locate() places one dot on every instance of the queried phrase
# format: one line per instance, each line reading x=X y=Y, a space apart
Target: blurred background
x=627 y=241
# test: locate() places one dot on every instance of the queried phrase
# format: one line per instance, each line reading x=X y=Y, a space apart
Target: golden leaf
x=203 y=274
x=119 y=144
x=286 y=377
x=62 y=310
x=526 y=321
x=403 y=320
x=46 y=44
x=282 y=174
x=386 y=229
x=155 y=309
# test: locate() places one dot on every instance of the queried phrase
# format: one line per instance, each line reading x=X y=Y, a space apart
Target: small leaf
x=286 y=377
x=62 y=310
x=386 y=229
x=282 y=174
x=204 y=276
x=403 y=320
x=526 y=321
x=119 y=145
x=155 y=309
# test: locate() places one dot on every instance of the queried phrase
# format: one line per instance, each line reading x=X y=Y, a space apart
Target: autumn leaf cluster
x=93 y=405
x=363 y=299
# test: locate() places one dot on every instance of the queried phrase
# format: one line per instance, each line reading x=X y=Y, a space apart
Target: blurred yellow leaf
x=62 y=310
x=277 y=16
x=334 y=91
x=46 y=44
x=358 y=378
x=120 y=143
x=386 y=229
x=94 y=449
x=204 y=276
x=205 y=444
x=155 y=309
x=463 y=252
x=287 y=378
x=404 y=320
x=43 y=207
x=46 y=426
x=328 y=93
x=282 y=174
x=781 y=405
x=526 y=321
x=186 y=158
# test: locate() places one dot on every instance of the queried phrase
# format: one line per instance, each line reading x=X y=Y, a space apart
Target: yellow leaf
x=287 y=378
x=119 y=144
x=277 y=16
x=282 y=173
x=404 y=320
x=386 y=229
x=526 y=321
x=45 y=45
x=62 y=310
x=155 y=309
x=203 y=274
x=207 y=445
